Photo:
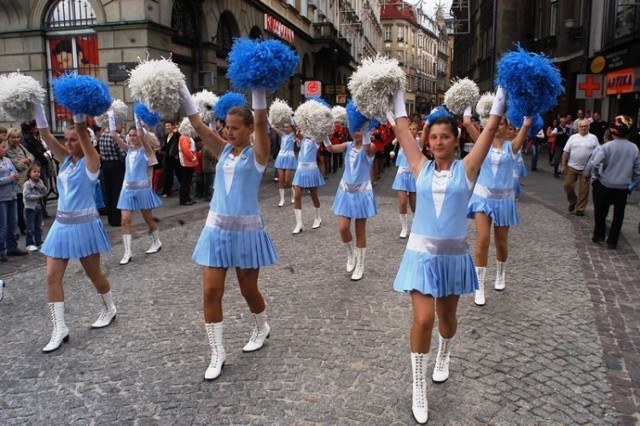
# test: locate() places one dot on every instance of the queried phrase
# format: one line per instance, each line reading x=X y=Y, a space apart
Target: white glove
x=259 y=98
x=112 y=121
x=366 y=134
x=468 y=111
x=40 y=116
x=499 y=105
x=187 y=101
x=399 y=108
x=136 y=119
x=79 y=118
x=326 y=141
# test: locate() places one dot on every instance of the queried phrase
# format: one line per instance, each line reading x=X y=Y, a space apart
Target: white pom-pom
x=373 y=85
x=460 y=95
x=280 y=113
x=17 y=92
x=119 y=109
x=484 y=104
x=339 y=115
x=186 y=128
x=314 y=119
x=206 y=102
x=156 y=83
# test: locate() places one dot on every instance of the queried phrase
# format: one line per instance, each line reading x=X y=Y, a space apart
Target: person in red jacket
x=188 y=161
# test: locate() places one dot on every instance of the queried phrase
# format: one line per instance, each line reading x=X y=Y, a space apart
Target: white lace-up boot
x=480 y=272
x=108 y=313
x=500 y=275
x=318 y=220
x=299 y=226
x=261 y=331
x=405 y=228
x=126 y=258
x=156 y=244
x=218 y=355
x=60 y=331
x=420 y=406
x=441 y=367
x=281 y=192
x=359 y=269
x=351 y=257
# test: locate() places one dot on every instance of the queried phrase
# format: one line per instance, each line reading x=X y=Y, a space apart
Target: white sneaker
x=32 y=248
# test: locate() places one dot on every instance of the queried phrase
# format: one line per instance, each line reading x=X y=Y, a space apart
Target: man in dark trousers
x=171 y=157
x=112 y=168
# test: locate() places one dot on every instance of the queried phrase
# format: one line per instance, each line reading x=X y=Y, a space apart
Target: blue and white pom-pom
x=355 y=119
x=373 y=85
x=373 y=124
x=439 y=112
x=150 y=118
x=82 y=94
x=119 y=109
x=186 y=128
x=255 y=63
x=206 y=102
x=461 y=94
x=156 y=83
x=319 y=99
x=531 y=82
x=339 y=115
x=17 y=92
x=228 y=101
x=280 y=113
x=314 y=119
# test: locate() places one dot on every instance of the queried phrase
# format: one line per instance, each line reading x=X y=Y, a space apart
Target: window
x=400 y=34
x=553 y=19
x=387 y=53
x=401 y=58
x=626 y=17
x=387 y=33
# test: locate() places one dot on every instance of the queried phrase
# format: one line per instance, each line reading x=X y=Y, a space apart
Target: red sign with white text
x=276 y=27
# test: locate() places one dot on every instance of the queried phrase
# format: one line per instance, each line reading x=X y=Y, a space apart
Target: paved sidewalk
x=556 y=347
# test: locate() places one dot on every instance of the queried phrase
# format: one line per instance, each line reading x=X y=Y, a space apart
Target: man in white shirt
x=574 y=160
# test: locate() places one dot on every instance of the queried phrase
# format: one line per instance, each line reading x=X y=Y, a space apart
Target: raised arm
x=57 y=149
x=91 y=156
x=261 y=145
x=210 y=137
x=114 y=134
x=145 y=138
x=401 y=129
x=521 y=137
x=469 y=127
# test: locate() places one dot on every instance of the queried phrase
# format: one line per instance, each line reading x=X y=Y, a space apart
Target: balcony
x=325 y=32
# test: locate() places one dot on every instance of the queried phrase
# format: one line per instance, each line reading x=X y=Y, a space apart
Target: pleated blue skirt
x=138 y=199
x=360 y=205
x=436 y=275
x=308 y=178
x=404 y=182
x=502 y=211
x=221 y=248
x=75 y=241
x=286 y=162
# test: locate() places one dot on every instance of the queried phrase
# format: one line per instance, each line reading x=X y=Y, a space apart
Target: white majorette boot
x=108 y=313
x=359 y=269
x=60 y=331
x=126 y=257
x=299 y=226
x=317 y=221
x=281 y=192
x=441 y=367
x=500 y=275
x=480 y=272
x=156 y=244
x=293 y=196
x=420 y=406
x=351 y=257
x=218 y=355
x=261 y=331
x=405 y=228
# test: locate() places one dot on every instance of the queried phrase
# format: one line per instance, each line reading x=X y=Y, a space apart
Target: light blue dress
x=519 y=171
x=354 y=198
x=404 y=180
x=286 y=158
x=234 y=234
x=136 y=193
x=307 y=174
x=77 y=231
x=437 y=260
x=494 y=193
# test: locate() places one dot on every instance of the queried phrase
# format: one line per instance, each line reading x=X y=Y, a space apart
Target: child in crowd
x=34 y=192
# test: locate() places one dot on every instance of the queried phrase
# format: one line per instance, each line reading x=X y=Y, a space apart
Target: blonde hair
x=12 y=131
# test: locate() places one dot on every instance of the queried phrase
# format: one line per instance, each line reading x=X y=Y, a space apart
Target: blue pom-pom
x=255 y=63
x=531 y=82
x=374 y=123
x=82 y=94
x=228 y=101
x=536 y=126
x=355 y=119
x=149 y=117
x=319 y=100
x=440 y=112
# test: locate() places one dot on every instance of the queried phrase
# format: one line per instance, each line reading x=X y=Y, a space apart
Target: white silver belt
x=431 y=245
x=402 y=169
x=138 y=184
x=234 y=223
x=307 y=165
x=73 y=217
x=286 y=154
x=497 y=193
x=356 y=187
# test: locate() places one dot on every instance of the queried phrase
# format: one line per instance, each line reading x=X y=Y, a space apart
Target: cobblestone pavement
x=560 y=345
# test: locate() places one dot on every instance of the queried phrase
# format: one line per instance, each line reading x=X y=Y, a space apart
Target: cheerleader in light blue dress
x=437 y=263
x=137 y=193
x=494 y=201
x=405 y=184
x=307 y=176
x=355 y=199
x=286 y=162
x=234 y=235
x=77 y=232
